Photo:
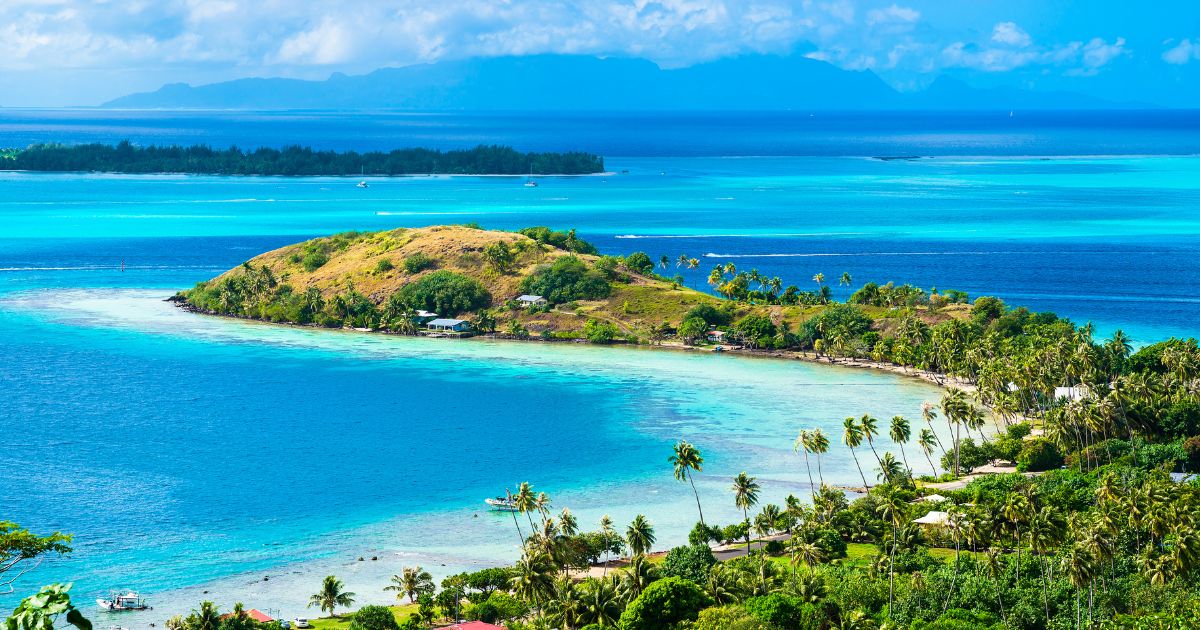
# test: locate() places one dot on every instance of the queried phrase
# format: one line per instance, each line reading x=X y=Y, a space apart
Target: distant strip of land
x=126 y=157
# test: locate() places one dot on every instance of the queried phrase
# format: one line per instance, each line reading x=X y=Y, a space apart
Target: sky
x=84 y=52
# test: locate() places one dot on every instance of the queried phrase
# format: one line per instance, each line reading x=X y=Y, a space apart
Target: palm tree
x=845 y=280
x=820 y=445
x=600 y=604
x=606 y=530
x=636 y=577
x=819 y=279
x=804 y=441
x=412 y=581
x=331 y=596
x=745 y=496
x=533 y=577
x=567 y=523
x=565 y=605
x=639 y=535
x=687 y=459
x=870 y=428
x=206 y=618
x=889 y=468
x=852 y=437
x=891 y=508
x=900 y=433
x=664 y=261
x=512 y=501
x=956 y=409
x=526 y=502
x=926 y=441
x=929 y=413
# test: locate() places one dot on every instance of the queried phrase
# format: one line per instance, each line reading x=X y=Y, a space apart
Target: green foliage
x=986 y=309
x=692 y=329
x=970 y=455
x=565 y=280
x=500 y=256
x=40 y=611
x=784 y=611
x=566 y=241
x=384 y=265
x=1038 y=454
x=417 y=262
x=374 y=618
x=665 y=604
x=639 y=262
x=1149 y=358
x=711 y=315
x=728 y=618
x=959 y=619
x=755 y=330
x=445 y=293
x=296 y=160
x=690 y=562
x=19 y=545
x=596 y=331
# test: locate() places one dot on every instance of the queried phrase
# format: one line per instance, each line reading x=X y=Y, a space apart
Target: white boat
x=128 y=601
x=502 y=503
x=530 y=184
x=362 y=184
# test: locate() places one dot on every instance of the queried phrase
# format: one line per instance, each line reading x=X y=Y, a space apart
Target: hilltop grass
x=342 y=622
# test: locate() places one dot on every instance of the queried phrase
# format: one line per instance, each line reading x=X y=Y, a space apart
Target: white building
x=527 y=301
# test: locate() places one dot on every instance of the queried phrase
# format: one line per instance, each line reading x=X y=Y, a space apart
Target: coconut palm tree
x=601 y=605
x=636 y=577
x=819 y=279
x=564 y=606
x=926 y=441
x=889 y=468
x=607 y=531
x=331 y=596
x=900 y=433
x=508 y=495
x=686 y=459
x=533 y=578
x=929 y=414
x=891 y=508
x=568 y=525
x=745 y=496
x=804 y=442
x=412 y=581
x=639 y=535
x=870 y=428
x=852 y=437
x=207 y=617
x=526 y=502
x=820 y=445
x=845 y=280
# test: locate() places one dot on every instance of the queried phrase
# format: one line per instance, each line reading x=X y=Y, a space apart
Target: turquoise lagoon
x=194 y=456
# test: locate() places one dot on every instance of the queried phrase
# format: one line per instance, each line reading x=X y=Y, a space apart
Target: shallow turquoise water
x=192 y=454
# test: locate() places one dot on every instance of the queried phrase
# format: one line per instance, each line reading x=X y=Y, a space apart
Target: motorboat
x=363 y=184
x=118 y=601
x=502 y=503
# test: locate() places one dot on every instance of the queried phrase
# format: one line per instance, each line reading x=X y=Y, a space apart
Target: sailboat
x=529 y=182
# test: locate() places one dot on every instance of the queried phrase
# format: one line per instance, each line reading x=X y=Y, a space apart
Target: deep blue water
x=192 y=454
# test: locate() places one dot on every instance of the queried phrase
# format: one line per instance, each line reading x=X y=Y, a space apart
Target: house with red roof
x=254 y=614
x=472 y=625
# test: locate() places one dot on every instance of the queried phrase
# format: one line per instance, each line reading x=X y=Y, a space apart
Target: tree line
x=126 y=157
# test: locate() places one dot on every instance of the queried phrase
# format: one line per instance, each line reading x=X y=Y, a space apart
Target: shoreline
x=939 y=380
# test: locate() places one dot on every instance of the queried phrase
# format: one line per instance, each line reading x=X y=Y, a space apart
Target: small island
x=126 y=157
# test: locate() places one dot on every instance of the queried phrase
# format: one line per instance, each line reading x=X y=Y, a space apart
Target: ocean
x=193 y=457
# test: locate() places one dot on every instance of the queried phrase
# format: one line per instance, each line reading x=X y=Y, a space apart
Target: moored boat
x=502 y=503
x=118 y=601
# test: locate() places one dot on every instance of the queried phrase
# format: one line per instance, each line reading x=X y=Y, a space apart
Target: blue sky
x=83 y=52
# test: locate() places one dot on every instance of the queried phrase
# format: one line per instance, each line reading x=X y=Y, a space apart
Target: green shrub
x=781 y=611
x=664 y=604
x=314 y=260
x=728 y=618
x=711 y=315
x=562 y=240
x=416 y=263
x=374 y=618
x=690 y=562
x=565 y=280
x=596 y=331
x=692 y=329
x=384 y=265
x=446 y=293
x=756 y=330
x=1038 y=454
x=639 y=262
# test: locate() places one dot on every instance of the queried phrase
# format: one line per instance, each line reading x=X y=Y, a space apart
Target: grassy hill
x=378 y=280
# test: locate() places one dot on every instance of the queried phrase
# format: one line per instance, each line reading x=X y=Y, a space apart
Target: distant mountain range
x=567 y=82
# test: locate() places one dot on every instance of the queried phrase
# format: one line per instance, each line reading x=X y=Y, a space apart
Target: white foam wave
x=766 y=235
x=837 y=254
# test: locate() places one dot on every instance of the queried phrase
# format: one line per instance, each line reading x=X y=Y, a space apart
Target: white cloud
x=892 y=14
x=1183 y=52
x=1011 y=34
x=1097 y=53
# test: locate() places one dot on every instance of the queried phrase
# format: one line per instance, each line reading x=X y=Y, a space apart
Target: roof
x=934 y=518
x=254 y=614
x=426 y=314
x=472 y=625
x=447 y=322
x=933 y=498
x=530 y=298
x=1072 y=393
